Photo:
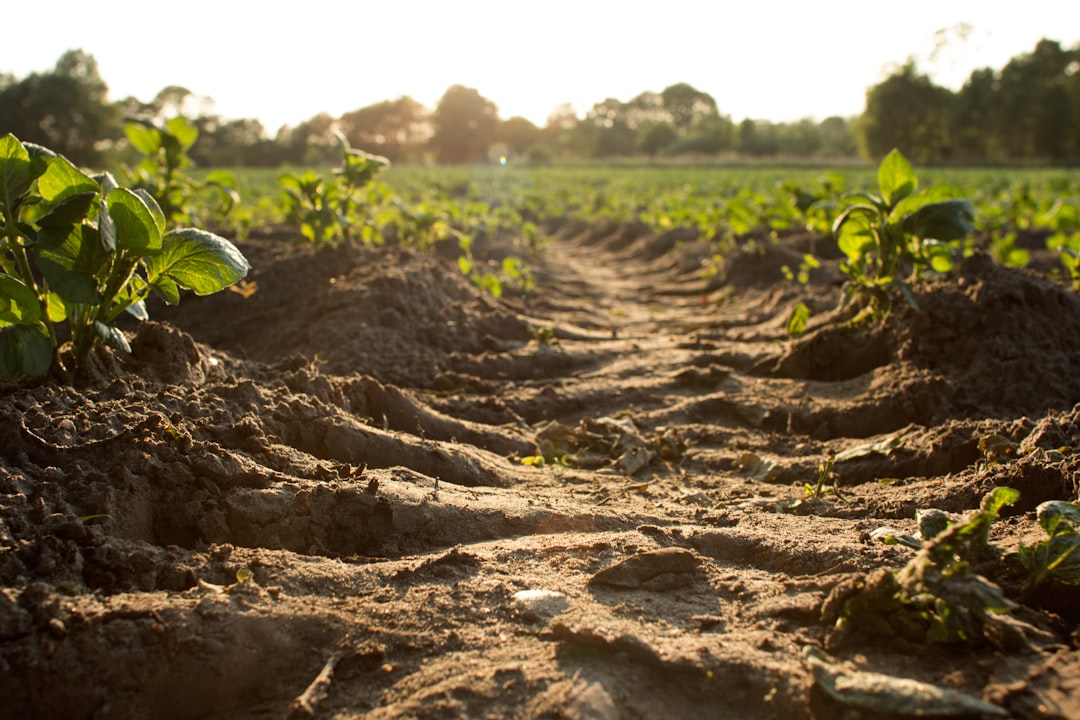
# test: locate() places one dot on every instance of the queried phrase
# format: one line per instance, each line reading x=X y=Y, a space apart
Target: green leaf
x=995 y=500
x=55 y=308
x=940 y=254
x=112 y=337
x=195 y=259
x=106 y=228
x=796 y=324
x=17 y=172
x=222 y=177
x=72 y=266
x=152 y=205
x=24 y=350
x=18 y=303
x=1058 y=517
x=136 y=227
x=854 y=235
x=143 y=136
x=69 y=212
x=184 y=132
x=896 y=178
x=61 y=179
x=946 y=221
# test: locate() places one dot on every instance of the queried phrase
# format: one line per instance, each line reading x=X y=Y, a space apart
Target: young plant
x=1058 y=556
x=821 y=487
x=891 y=237
x=328 y=211
x=936 y=597
x=161 y=170
x=79 y=251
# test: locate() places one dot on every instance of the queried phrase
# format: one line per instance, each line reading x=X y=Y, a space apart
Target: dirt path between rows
x=312 y=501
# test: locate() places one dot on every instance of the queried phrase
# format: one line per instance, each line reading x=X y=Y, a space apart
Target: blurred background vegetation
x=1026 y=113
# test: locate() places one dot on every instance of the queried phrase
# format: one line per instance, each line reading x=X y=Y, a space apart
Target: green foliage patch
x=78 y=251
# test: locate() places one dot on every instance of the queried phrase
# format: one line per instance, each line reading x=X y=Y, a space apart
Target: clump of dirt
x=311 y=501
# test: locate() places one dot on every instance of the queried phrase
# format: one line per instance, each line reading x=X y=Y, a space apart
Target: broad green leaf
x=940 y=254
x=143 y=136
x=896 y=178
x=61 y=180
x=136 y=227
x=221 y=177
x=17 y=172
x=56 y=309
x=152 y=205
x=18 y=303
x=198 y=260
x=912 y=203
x=996 y=499
x=854 y=235
x=72 y=266
x=167 y=288
x=945 y=221
x=57 y=223
x=112 y=337
x=185 y=133
x=1063 y=556
x=1052 y=513
x=24 y=350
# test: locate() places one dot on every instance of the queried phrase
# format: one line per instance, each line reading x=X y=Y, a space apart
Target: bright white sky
x=285 y=62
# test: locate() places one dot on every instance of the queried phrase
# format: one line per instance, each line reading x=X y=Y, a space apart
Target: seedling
x=935 y=597
x=891 y=237
x=796 y=324
x=1058 y=556
x=821 y=488
x=161 y=170
x=328 y=211
x=80 y=251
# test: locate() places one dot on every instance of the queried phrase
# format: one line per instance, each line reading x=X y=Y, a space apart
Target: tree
x=66 y=109
x=908 y=112
x=799 y=139
x=757 y=137
x=464 y=124
x=1037 y=117
x=973 y=122
x=231 y=143
x=657 y=138
x=838 y=138
x=312 y=142
x=563 y=134
x=688 y=106
x=518 y=134
x=397 y=129
x=608 y=129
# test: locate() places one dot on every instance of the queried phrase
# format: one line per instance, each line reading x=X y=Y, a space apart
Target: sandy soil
x=310 y=502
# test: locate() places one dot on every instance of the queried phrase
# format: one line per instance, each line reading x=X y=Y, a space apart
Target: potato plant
x=161 y=172
x=891 y=237
x=77 y=251
x=328 y=211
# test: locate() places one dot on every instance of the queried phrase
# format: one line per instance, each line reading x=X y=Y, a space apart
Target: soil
x=311 y=501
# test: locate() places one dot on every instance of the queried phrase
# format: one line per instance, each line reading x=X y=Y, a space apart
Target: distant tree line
x=1027 y=111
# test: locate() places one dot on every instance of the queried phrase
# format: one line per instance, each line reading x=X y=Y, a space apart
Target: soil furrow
x=395 y=496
